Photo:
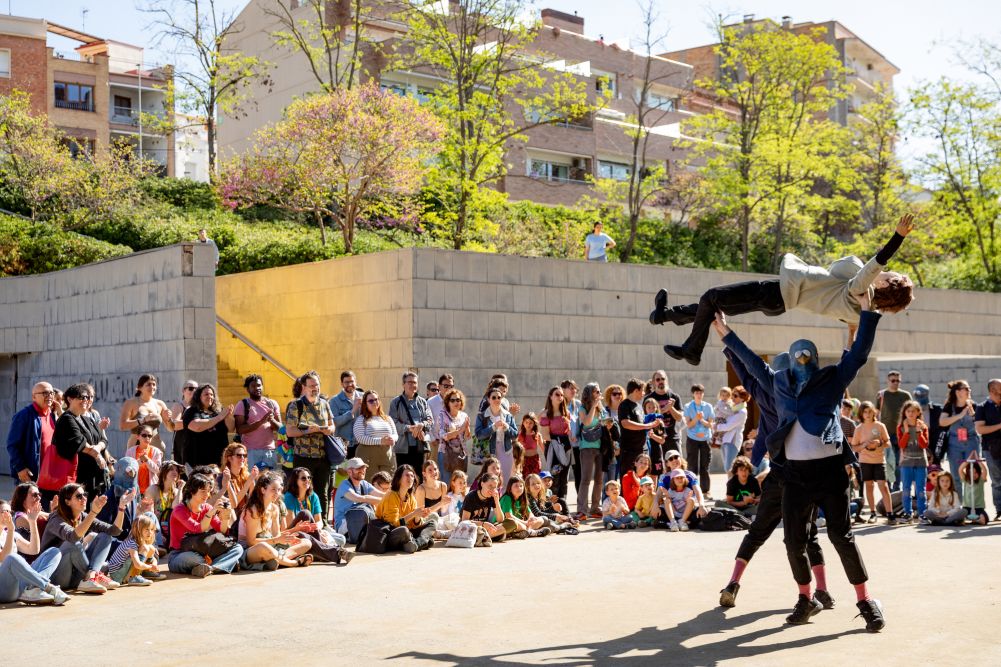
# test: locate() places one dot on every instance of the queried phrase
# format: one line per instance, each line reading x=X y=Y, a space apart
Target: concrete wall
x=106 y=324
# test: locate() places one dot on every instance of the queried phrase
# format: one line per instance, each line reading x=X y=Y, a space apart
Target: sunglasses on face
x=447 y=386
x=190 y=388
x=674 y=458
x=240 y=456
x=432 y=390
x=455 y=400
x=616 y=393
x=35 y=494
x=305 y=479
x=80 y=495
x=372 y=401
x=146 y=436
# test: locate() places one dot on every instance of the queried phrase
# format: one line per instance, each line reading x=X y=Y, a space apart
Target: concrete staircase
x=230 y=381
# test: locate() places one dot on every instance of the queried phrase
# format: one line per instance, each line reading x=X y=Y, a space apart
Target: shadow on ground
x=657 y=646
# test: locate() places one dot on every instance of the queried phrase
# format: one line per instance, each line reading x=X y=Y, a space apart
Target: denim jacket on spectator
x=341 y=407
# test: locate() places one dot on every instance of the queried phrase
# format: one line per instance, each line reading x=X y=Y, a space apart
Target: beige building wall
x=106 y=324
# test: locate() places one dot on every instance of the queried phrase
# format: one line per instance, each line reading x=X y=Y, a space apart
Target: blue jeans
x=183 y=562
x=16 y=574
x=957 y=453
x=994 y=468
x=76 y=561
x=262 y=458
x=621 y=522
x=916 y=476
x=729 y=454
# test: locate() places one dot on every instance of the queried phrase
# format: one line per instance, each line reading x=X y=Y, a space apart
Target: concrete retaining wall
x=106 y=324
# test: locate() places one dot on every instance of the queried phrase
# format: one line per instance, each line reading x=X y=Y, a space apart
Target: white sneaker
x=35 y=595
x=58 y=596
x=821 y=522
x=91 y=586
x=674 y=527
x=684 y=526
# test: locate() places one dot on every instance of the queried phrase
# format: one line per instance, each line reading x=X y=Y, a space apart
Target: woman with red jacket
x=631 y=480
x=912 y=436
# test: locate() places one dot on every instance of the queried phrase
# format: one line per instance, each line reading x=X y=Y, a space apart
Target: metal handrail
x=249 y=343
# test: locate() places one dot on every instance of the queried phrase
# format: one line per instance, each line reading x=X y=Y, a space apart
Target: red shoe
x=595 y=515
x=106 y=581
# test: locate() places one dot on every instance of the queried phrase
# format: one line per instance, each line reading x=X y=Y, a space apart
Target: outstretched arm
x=754 y=364
x=904 y=227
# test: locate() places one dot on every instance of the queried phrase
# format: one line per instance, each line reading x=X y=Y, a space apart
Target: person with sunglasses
x=149 y=458
x=176 y=423
x=81 y=449
x=345 y=407
x=436 y=403
x=496 y=426
x=670 y=412
x=31 y=432
x=413 y=420
x=452 y=432
x=888 y=405
x=308 y=420
x=144 y=409
x=84 y=540
x=376 y=436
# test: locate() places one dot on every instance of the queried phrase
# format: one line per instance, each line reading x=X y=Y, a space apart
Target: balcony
x=127 y=117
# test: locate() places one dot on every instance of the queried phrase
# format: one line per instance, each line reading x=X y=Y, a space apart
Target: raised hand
x=906 y=224
x=98 y=504
x=720 y=324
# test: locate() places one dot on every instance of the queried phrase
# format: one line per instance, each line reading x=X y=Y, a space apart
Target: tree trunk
x=323 y=230
x=745 y=233
x=210 y=128
x=460 y=219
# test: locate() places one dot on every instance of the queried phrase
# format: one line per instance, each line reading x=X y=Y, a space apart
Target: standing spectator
x=376 y=436
x=570 y=390
x=144 y=409
x=436 y=402
x=930 y=413
x=670 y=411
x=988 y=425
x=208 y=426
x=633 y=424
x=888 y=405
x=31 y=432
x=959 y=416
x=454 y=430
x=203 y=237
x=81 y=442
x=612 y=437
x=308 y=419
x=345 y=407
x=597 y=244
x=732 y=428
x=870 y=442
x=592 y=413
x=847 y=422
x=912 y=434
x=531 y=440
x=177 y=421
x=430 y=390
x=257 y=419
x=496 y=425
x=554 y=424
x=699 y=417
x=413 y=421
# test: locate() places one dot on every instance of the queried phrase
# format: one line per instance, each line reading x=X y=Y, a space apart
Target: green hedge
x=182 y=192
x=32 y=247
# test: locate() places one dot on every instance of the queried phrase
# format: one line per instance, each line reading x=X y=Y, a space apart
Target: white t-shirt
x=596 y=244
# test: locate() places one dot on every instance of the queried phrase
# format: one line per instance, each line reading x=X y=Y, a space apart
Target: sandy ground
x=639 y=597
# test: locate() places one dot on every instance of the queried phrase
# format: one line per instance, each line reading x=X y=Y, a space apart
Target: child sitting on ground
x=451 y=513
x=642 y=514
x=134 y=562
x=944 y=506
x=614 y=511
x=973 y=472
x=514 y=504
x=833 y=292
x=557 y=503
x=680 y=501
x=742 y=490
x=539 y=504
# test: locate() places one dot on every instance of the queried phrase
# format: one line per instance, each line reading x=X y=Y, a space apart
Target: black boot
x=728 y=596
x=681 y=354
x=872 y=612
x=659 y=314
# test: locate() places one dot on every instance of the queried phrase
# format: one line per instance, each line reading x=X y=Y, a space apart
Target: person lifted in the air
x=833 y=291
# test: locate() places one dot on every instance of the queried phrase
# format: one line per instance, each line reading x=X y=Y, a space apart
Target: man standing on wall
x=203 y=237
x=888 y=403
x=413 y=423
x=670 y=411
x=30 y=432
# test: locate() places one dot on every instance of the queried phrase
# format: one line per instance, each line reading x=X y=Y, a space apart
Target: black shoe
x=660 y=300
x=824 y=598
x=728 y=596
x=344 y=556
x=872 y=612
x=805 y=609
x=678 y=352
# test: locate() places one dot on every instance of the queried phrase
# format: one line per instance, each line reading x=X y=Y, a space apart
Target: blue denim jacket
x=817 y=406
x=341 y=407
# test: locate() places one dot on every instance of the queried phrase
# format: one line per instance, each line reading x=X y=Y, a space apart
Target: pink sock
x=862 y=592
x=804 y=589
x=738 y=570
x=820 y=574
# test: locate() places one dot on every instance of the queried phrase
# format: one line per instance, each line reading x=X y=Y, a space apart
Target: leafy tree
x=335 y=156
x=491 y=92
x=212 y=80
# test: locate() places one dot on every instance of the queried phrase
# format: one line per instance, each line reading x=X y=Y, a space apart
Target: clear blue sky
x=916 y=35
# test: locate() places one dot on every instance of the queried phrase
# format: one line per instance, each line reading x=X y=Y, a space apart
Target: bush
x=32 y=247
x=182 y=192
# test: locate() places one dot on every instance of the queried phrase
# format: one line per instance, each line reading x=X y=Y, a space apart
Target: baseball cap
x=645 y=480
x=545 y=474
x=671 y=452
x=677 y=473
x=354 y=464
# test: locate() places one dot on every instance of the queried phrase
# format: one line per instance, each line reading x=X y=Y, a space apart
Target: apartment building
x=553 y=165
x=96 y=95
x=868 y=69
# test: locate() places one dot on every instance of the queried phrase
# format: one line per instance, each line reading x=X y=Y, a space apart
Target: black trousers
x=753 y=296
x=767 y=519
x=698 y=454
x=320 y=471
x=824 y=483
x=575 y=464
x=413 y=457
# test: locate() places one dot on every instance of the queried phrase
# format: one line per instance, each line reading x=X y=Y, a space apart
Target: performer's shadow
x=655 y=646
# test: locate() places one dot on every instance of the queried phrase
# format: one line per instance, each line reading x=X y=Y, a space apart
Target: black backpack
x=724 y=518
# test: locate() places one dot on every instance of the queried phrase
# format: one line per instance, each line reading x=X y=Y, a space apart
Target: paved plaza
x=604 y=598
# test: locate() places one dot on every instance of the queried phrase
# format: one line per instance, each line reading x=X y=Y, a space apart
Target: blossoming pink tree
x=333 y=155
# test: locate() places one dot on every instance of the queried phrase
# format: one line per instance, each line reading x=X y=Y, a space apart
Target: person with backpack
x=308 y=420
x=356 y=500
x=257 y=420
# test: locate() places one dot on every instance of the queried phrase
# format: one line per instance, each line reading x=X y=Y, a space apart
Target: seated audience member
x=631 y=480
x=124 y=482
x=614 y=511
x=679 y=501
x=260 y=531
x=483 y=508
x=491 y=466
x=237 y=481
x=19 y=580
x=411 y=531
x=83 y=539
x=27 y=498
x=673 y=461
x=514 y=504
x=134 y=561
x=382 y=481
x=193 y=516
x=944 y=506
x=304 y=518
x=743 y=492
x=149 y=457
x=354 y=505
x=643 y=510
x=165 y=495
x=539 y=504
x=432 y=493
x=973 y=472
